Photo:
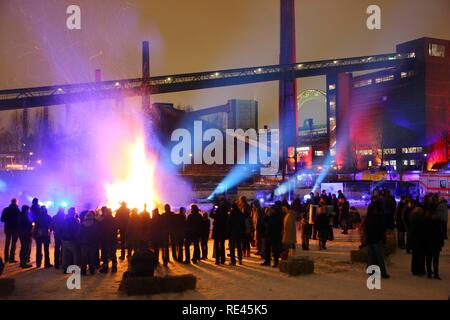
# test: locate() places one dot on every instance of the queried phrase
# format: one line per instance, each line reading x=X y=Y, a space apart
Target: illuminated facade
x=398 y=117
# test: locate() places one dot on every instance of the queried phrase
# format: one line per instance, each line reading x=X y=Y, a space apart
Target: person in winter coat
x=133 y=232
x=167 y=222
x=434 y=240
x=69 y=238
x=158 y=234
x=406 y=214
x=374 y=230
x=417 y=230
x=34 y=209
x=219 y=233
x=177 y=234
x=42 y=237
x=399 y=224
x=289 y=237
x=122 y=217
x=10 y=217
x=323 y=223
x=89 y=239
x=442 y=211
x=25 y=229
x=236 y=227
x=389 y=206
x=309 y=216
x=274 y=233
x=248 y=231
x=108 y=240
x=206 y=227
x=194 y=225
x=258 y=225
x=344 y=214
x=57 y=228
x=145 y=230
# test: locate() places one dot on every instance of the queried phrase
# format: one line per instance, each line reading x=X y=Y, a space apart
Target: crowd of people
x=91 y=238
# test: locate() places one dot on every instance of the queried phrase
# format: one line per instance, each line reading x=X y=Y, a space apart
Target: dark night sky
x=197 y=35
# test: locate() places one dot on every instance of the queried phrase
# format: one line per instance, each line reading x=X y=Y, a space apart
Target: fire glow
x=137 y=187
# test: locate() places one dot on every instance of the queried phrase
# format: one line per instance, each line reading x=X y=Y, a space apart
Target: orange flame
x=138 y=186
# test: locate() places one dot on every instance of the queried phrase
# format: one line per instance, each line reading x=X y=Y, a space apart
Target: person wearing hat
x=194 y=225
x=89 y=238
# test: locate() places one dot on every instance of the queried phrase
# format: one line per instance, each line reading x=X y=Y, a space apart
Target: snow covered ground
x=334 y=278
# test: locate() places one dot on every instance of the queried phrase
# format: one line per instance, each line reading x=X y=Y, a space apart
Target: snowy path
x=335 y=278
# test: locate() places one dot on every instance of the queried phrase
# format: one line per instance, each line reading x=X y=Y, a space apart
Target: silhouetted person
x=219 y=233
x=258 y=225
x=25 y=229
x=389 y=206
x=194 y=224
x=108 y=240
x=178 y=233
x=42 y=237
x=434 y=240
x=289 y=238
x=323 y=223
x=442 y=211
x=10 y=216
x=89 y=238
x=206 y=225
x=236 y=228
x=133 y=232
x=57 y=228
x=344 y=214
x=122 y=217
x=69 y=238
x=145 y=224
x=374 y=230
x=157 y=233
x=167 y=221
x=274 y=230
x=417 y=228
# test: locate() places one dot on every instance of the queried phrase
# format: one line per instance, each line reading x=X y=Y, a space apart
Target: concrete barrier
x=295 y=266
x=7 y=286
x=155 y=285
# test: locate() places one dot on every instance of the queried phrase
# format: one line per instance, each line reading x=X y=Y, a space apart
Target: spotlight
x=39 y=162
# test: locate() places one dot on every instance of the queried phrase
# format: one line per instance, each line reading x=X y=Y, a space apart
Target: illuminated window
x=367 y=152
x=436 y=50
x=405 y=162
x=385 y=163
x=362 y=83
x=384 y=79
x=412 y=150
x=406 y=74
x=319 y=153
x=389 y=151
x=331 y=87
x=412 y=162
x=370 y=163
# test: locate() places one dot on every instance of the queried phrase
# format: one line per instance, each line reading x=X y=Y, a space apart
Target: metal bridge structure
x=21 y=98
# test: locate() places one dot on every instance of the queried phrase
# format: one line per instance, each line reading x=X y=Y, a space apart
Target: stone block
x=296 y=266
x=7 y=286
x=155 y=285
